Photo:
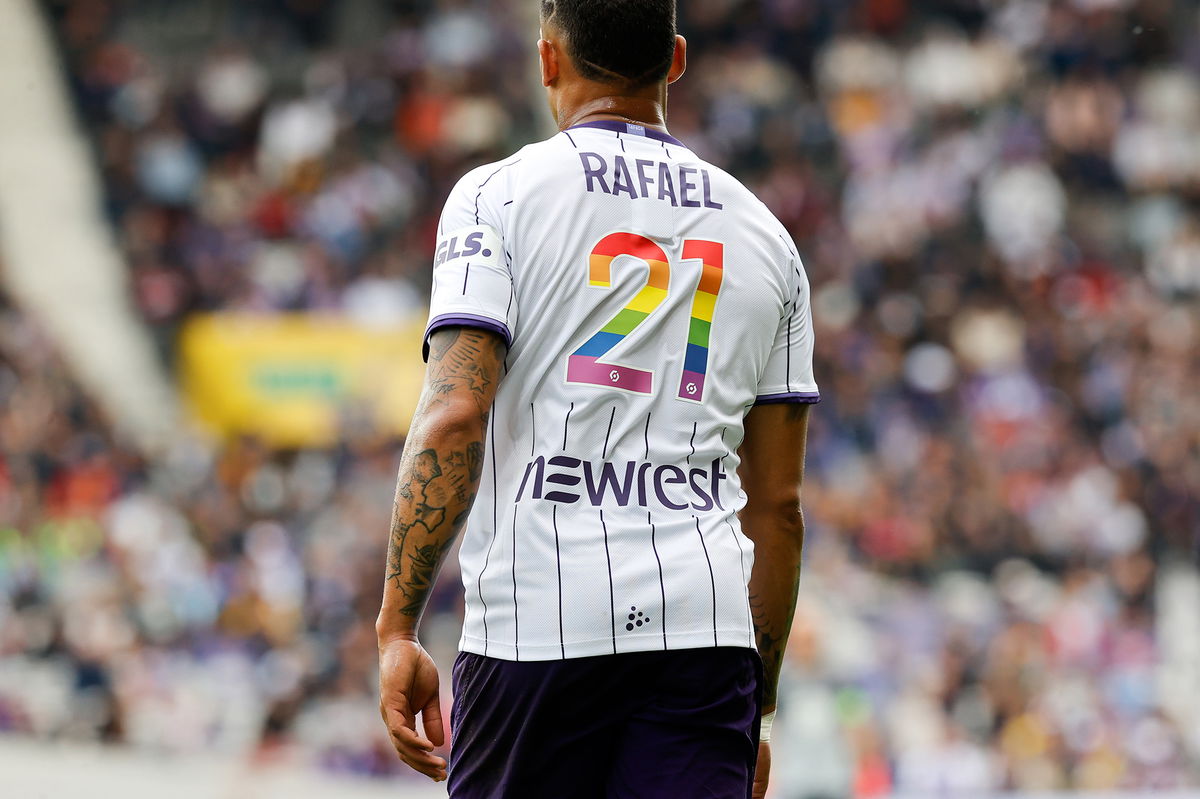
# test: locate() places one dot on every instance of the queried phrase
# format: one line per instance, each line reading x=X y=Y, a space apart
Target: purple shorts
x=679 y=723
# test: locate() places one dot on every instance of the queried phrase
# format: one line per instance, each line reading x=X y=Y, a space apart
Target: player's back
x=650 y=300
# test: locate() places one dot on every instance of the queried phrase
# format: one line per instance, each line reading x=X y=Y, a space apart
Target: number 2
x=586 y=366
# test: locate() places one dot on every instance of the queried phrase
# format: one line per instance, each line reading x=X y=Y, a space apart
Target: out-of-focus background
x=216 y=223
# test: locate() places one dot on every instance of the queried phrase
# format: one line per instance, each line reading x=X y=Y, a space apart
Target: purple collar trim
x=631 y=129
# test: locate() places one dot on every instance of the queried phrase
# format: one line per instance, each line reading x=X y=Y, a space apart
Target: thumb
x=397 y=719
x=431 y=719
x=395 y=703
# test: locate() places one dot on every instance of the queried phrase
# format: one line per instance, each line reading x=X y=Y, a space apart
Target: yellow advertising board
x=300 y=379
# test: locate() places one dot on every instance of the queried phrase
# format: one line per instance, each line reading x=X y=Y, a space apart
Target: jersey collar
x=631 y=129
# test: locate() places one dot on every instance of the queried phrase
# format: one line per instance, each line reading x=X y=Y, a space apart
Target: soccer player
x=619 y=375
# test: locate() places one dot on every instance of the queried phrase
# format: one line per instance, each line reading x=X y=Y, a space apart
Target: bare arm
x=772 y=470
x=437 y=482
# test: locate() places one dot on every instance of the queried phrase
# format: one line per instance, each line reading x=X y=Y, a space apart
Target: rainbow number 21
x=586 y=366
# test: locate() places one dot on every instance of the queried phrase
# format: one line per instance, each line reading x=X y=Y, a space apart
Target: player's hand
x=762 y=772
x=408 y=685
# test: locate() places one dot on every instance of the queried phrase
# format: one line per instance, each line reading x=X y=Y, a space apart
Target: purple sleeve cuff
x=802 y=397
x=464 y=320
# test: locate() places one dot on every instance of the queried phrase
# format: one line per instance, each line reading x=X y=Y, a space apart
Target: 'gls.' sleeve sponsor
x=471 y=283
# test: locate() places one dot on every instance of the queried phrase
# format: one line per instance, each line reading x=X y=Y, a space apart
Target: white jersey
x=649 y=300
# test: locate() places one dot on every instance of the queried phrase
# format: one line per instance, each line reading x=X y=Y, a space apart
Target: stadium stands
x=997 y=206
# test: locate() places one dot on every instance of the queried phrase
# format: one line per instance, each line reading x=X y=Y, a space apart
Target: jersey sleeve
x=472 y=284
x=788 y=376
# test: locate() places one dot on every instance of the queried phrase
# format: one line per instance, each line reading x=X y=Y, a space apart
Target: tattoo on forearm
x=467 y=467
x=433 y=486
x=424 y=562
x=438 y=483
x=772 y=638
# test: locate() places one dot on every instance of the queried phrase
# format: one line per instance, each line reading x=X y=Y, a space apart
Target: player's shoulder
x=482 y=176
x=478 y=194
x=754 y=217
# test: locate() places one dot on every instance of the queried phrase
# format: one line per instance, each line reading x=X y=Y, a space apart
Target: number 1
x=695 y=360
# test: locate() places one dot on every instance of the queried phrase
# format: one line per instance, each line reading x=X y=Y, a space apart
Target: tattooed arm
x=440 y=467
x=771 y=471
x=438 y=479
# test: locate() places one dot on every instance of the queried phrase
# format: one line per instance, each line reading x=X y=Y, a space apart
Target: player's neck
x=648 y=111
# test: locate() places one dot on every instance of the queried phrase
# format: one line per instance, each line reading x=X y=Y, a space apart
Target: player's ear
x=679 y=60
x=548 y=56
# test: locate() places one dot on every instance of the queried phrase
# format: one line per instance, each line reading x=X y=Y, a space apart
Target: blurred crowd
x=998 y=204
